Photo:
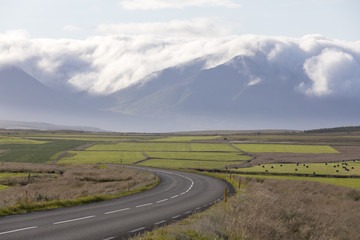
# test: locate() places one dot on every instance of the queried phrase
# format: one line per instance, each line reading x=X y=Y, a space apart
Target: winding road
x=179 y=195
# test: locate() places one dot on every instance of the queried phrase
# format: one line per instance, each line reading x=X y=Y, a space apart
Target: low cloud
x=332 y=71
x=163 y=4
x=199 y=27
x=105 y=64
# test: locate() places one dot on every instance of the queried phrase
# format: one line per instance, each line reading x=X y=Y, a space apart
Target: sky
x=80 y=19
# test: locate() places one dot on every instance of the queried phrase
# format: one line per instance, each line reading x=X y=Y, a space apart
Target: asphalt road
x=179 y=195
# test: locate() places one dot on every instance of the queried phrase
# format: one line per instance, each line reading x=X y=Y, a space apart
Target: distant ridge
x=335 y=129
x=6 y=124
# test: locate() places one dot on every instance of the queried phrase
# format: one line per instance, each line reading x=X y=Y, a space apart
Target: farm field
x=337 y=168
x=18 y=140
x=173 y=163
x=285 y=148
x=100 y=157
x=163 y=147
x=208 y=156
x=187 y=138
x=95 y=138
x=345 y=182
x=36 y=153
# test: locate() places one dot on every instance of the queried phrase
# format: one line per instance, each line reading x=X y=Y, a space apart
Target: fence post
x=226 y=194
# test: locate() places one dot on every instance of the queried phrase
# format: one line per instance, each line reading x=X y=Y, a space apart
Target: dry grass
x=67 y=182
x=275 y=209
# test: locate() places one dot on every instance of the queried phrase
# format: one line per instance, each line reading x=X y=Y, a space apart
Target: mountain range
x=247 y=92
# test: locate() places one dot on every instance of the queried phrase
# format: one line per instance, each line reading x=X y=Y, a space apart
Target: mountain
x=5 y=124
x=246 y=92
x=25 y=99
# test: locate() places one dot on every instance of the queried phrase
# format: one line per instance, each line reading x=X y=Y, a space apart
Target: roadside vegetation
x=31 y=187
x=273 y=209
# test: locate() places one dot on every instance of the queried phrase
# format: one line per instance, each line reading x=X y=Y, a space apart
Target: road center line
x=175 y=196
x=110 y=238
x=143 y=205
x=73 y=220
x=176 y=216
x=115 y=211
x=163 y=221
x=160 y=201
x=138 y=229
x=18 y=230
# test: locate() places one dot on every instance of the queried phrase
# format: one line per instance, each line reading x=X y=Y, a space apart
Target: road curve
x=179 y=195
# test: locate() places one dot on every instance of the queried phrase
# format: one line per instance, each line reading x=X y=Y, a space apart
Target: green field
x=163 y=147
x=36 y=153
x=347 y=182
x=92 y=138
x=284 y=148
x=172 y=163
x=18 y=140
x=208 y=156
x=94 y=157
x=187 y=138
x=309 y=168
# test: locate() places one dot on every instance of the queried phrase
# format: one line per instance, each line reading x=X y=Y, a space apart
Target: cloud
x=332 y=71
x=199 y=27
x=107 y=63
x=163 y=4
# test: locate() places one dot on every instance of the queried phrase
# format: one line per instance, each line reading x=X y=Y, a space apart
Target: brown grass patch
x=67 y=182
x=275 y=209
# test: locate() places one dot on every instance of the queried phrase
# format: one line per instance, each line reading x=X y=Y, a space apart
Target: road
x=178 y=195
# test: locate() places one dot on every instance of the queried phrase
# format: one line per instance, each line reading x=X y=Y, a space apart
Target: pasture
x=285 y=148
x=336 y=168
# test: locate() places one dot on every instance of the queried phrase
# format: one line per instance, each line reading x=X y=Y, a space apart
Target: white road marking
x=175 y=196
x=182 y=193
x=110 y=238
x=188 y=212
x=73 y=220
x=18 y=230
x=198 y=208
x=138 y=229
x=163 y=221
x=116 y=211
x=144 y=205
x=176 y=216
x=160 y=201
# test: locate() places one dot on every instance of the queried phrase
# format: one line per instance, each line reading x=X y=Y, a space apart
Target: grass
x=3 y=187
x=345 y=182
x=36 y=153
x=18 y=140
x=273 y=209
x=186 y=138
x=309 y=168
x=31 y=207
x=162 y=147
x=93 y=157
x=279 y=148
x=8 y=175
x=218 y=156
x=90 y=137
x=73 y=185
x=171 y=163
